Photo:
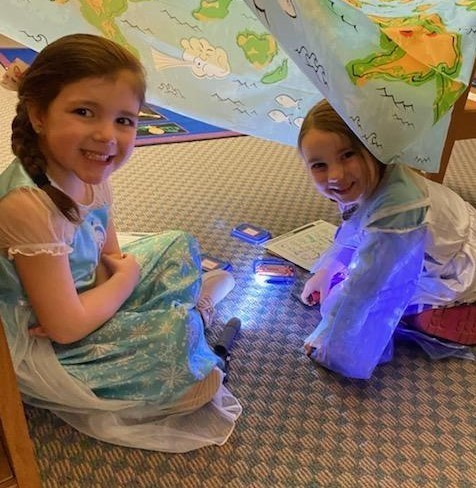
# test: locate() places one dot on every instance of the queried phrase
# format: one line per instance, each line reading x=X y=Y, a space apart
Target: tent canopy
x=392 y=69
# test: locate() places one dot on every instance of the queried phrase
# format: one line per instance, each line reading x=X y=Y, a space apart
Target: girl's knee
x=201 y=392
x=180 y=237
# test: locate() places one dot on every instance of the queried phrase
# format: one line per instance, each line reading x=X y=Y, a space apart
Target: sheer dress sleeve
x=31 y=224
x=360 y=314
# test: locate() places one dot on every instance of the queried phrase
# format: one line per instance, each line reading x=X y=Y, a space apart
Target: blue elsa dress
x=118 y=382
x=412 y=242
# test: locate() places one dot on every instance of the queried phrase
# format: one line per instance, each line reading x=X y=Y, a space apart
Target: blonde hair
x=323 y=117
x=65 y=61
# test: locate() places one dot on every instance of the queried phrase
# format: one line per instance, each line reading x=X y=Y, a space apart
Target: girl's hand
x=308 y=349
x=315 y=349
x=124 y=264
x=102 y=273
x=38 y=331
x=317 y=287
x=63 y=314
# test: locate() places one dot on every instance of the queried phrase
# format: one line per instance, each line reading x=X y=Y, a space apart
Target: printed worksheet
x=304 y=245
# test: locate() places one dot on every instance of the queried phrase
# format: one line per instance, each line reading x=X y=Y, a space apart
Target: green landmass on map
x=211 y=10
x=102 y=14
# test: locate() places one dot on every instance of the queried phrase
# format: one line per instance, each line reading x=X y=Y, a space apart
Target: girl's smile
x=342 y=191
x=94 y=156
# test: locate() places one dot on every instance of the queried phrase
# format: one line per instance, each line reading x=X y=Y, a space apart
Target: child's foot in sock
x=216 y=285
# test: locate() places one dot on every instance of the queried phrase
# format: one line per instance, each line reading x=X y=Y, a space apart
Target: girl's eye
x=348 y=154
x=318 y=166
x=84 y=112
x=127 y=121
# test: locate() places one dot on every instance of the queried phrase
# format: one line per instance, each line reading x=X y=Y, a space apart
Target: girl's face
x=338 y=171
x=88 y=131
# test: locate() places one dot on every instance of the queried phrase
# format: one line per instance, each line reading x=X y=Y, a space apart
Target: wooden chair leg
x=18 y=467
x=445 y=159
x=462 y=126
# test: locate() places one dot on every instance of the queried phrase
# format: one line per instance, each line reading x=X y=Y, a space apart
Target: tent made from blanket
x=393 y=69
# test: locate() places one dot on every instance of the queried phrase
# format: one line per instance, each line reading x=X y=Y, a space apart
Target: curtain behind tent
x=393 y=69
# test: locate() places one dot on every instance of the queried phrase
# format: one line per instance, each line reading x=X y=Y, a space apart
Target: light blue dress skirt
x=154 y=347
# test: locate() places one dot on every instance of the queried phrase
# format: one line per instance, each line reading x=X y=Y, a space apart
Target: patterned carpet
x=412 y=425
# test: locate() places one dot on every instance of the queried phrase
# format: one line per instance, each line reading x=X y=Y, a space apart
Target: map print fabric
x=393 y=68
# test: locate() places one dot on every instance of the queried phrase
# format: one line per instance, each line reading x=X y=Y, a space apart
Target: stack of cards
x=274 y=270
x=209 y=263
x=251 y=233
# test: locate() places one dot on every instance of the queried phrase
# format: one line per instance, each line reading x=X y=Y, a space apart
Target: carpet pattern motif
x=412 y=425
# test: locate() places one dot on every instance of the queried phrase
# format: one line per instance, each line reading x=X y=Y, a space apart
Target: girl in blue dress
x=111 y=340
x=406 y=250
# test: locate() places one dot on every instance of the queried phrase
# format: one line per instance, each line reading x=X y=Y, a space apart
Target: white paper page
x=302 y=246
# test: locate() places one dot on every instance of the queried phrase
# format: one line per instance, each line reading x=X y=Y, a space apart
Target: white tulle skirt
x=44 y=383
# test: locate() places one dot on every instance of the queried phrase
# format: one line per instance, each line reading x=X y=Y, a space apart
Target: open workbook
x=304 y=245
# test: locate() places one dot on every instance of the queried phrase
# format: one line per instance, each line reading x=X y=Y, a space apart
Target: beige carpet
x=412 y=425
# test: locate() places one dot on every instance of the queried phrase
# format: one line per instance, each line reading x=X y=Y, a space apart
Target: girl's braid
x=25 y=147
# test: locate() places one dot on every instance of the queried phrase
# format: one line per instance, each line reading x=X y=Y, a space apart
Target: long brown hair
x=66 y=60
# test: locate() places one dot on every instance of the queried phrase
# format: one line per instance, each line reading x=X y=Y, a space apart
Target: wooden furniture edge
x=17 y=442
x=462 y=126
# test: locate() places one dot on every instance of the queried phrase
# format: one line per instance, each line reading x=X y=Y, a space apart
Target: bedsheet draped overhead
x=393 y=68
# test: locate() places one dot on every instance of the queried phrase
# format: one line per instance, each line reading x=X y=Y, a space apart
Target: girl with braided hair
x=111 y=342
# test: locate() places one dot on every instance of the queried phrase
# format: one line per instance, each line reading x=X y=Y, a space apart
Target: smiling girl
x=406 y=250
x=112 y=342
